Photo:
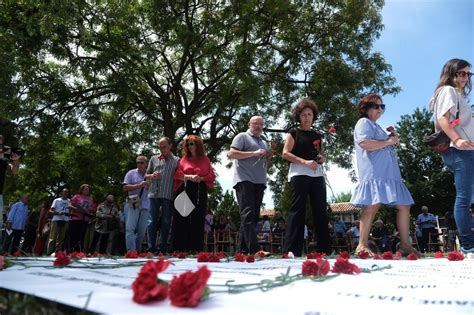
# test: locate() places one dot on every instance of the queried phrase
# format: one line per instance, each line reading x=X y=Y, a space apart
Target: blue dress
x=379 y=174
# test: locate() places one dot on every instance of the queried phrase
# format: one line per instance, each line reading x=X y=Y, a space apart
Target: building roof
x=344 y=208
x=269 y=212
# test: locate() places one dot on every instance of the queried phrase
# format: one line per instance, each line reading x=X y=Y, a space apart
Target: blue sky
x=418 y=38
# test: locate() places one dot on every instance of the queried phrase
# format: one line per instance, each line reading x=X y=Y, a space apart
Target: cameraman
x=5 y=166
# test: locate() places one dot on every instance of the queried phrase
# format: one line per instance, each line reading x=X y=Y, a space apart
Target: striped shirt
x=163 y=186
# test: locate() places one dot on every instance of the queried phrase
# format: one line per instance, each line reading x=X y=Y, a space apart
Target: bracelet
x=454 y=141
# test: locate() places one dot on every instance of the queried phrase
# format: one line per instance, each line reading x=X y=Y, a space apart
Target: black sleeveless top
x=304 y=143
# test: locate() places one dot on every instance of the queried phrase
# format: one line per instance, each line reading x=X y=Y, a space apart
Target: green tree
x=342 y=197
x=229 y=208
x=423 y=171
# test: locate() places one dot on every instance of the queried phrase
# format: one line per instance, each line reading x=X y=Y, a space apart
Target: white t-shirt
x=447 y=100
x=60 y=205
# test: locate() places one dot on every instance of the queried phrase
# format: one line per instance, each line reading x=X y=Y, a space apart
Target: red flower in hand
x=455 y=255
x=317 y=268
x=187 y=289
x=147 y=287
x=344 y=266
x=62 y=259
x=316 y=144
x=455 y=122
x=332 y=130
x=239 y=257
x=364 y=254
x=131 y=254
x=412 y=256
x=345 y=255
x=438 y=254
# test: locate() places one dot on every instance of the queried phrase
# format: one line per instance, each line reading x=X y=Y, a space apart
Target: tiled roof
x=344 y=208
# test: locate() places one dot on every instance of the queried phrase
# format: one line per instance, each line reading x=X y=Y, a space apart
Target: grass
x=18 y=303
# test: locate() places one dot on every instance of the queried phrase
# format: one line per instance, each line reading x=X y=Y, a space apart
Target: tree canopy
x=110 y=77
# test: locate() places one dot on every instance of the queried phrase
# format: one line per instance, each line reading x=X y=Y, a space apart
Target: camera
x=8 y=151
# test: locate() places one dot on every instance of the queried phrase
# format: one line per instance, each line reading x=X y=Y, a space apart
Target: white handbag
x=183 y=204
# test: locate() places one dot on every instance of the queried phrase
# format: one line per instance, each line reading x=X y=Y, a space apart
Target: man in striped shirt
x=160 y=174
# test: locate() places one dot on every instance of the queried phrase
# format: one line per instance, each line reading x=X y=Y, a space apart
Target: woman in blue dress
x=380 y=181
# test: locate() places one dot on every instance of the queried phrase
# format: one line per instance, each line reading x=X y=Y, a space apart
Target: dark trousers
x=249 y=197
x=76 y=232
x=187 y=233
x=102 y=239
x=425 y=239
x=13 y=241
x=315 y=187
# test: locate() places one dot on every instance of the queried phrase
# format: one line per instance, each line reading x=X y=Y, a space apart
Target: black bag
x=439 y=140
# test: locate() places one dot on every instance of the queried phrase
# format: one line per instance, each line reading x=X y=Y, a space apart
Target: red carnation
x=62 y=259
x=345 y=255
x=189 y=288
x=412 y=256
x=250 y=258
x=438 y=254
x=315 y=255
x=203 y=257
x=145 y=255
x=387 y=255
x=455 y=255
x=239 y=257
x=316 y=143
x=17 y=253
x=317 y=268
x=131 y=254
x=377 y=257
x=332 y=130
x=180 y=255
x=363 y=254
x=147 y=287
x=78 y=255
x=220 y=254
x=284 y=256
x=344 y=266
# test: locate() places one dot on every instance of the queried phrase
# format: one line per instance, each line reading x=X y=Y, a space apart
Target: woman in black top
x=303 y=149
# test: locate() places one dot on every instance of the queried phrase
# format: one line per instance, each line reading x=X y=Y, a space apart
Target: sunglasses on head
x=463 y=74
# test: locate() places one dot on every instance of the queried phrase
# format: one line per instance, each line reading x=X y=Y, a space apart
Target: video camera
x=8 y=151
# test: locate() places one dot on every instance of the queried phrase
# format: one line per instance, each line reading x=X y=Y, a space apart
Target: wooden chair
x=276 y=241
x=435 y=242
x=340 y=244
x=222 y=240
x=263 y=239
x=209 y=242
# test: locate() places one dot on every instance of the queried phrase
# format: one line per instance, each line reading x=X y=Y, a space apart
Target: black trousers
x=13 y=240
x=102 y=239
x=187 y=233
x=76 y=233
x=249 y=197
x=315 y=187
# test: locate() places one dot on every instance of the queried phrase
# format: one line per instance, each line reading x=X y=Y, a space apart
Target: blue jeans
x=136 y=221
x=461 y=163
x=165 y=220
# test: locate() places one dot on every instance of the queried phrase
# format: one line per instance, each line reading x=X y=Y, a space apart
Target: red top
x=200 y=166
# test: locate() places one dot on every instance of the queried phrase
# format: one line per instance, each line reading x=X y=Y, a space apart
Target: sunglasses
x=376 y=106
x=463 y=74
x=190 y=144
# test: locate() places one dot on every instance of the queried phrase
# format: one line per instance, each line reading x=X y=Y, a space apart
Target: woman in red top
x=195 y=174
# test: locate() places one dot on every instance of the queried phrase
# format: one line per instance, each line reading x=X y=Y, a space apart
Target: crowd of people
x=168 y=194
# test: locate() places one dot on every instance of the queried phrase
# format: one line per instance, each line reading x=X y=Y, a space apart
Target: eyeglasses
x=190 y=144
x=463 y=74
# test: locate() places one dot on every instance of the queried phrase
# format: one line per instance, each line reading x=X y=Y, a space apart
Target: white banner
x=425 y=286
